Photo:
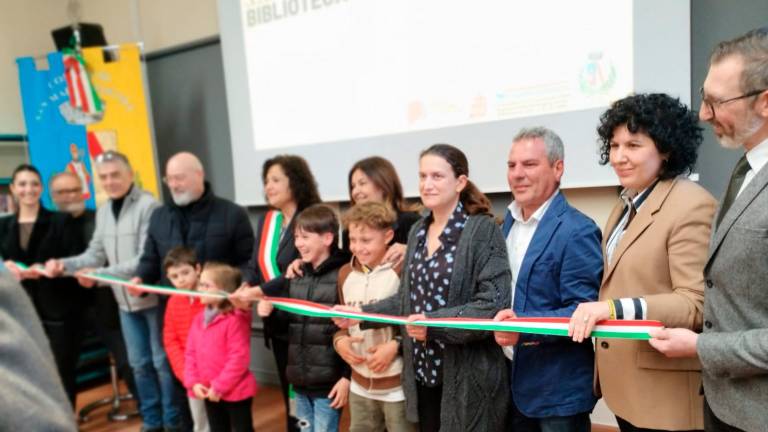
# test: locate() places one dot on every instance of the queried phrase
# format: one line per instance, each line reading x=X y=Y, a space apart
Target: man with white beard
x=217 y=229
x=66 y=193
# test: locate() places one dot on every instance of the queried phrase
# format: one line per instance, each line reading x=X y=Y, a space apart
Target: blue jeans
x=573 y=423
x=154 y=381
x=315 y=414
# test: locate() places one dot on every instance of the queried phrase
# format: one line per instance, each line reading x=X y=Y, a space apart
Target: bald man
x=216 y=228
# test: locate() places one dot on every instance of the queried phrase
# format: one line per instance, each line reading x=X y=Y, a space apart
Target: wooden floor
x=268 y=412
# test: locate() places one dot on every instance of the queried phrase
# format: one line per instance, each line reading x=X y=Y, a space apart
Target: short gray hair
x=113 y=156
x=753 y=48
x=552 y=141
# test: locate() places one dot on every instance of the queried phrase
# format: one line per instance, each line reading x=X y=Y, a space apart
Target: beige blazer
x=661 y=258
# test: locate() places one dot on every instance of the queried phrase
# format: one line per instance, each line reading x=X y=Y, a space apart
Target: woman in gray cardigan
x=456 y=266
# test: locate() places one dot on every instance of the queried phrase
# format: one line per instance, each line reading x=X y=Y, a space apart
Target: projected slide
x=332 y=70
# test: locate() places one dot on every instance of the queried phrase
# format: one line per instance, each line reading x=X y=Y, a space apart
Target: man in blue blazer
x=554 y=254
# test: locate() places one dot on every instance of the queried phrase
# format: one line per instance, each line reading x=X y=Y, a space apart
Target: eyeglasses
x=711 y=104
x=177 y=178
x=67 y=191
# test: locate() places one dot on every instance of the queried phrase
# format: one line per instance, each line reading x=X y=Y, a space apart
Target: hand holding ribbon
x=505 y=338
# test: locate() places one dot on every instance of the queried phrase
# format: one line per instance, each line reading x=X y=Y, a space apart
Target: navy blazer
x=563 y=266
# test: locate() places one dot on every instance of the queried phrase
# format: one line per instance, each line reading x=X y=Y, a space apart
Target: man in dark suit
x=554 y=254
x=733 y=348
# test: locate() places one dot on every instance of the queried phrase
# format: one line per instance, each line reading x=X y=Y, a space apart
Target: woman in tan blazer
x=654 y=246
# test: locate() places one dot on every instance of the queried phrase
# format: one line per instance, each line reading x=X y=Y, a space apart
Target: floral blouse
x=430 y=278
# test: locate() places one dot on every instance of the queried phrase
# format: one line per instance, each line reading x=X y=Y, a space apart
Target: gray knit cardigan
x=475 y=384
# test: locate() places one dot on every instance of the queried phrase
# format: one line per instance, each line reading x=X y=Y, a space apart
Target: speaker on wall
x=90 y=35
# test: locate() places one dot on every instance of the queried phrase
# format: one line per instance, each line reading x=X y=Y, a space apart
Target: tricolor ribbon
x=635 y=329
x=37 y=269
x=617 y=329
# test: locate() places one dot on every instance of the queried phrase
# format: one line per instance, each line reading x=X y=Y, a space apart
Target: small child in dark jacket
x=318 y=375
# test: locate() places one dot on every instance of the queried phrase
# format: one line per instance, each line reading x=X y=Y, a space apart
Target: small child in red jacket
x=218 y=354
x=183 y=271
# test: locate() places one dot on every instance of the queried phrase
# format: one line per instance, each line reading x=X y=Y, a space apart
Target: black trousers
x=65 y=337
x=714 y=424
x=625 y=426
x=429 y=402
x=226 y=416
x=280 y=351
x=101 y=315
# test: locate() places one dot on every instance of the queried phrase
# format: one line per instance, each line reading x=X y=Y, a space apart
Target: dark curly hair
x=300 y=179
x=672 y=126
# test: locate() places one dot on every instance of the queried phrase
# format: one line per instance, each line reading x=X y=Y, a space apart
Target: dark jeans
x=181 y=401
x=573 y=423
x=101 y=316
x=714 y=424
x=64 y=338
x=280 y=351
x=226 y=416
x=625 y=426
x=429 y=401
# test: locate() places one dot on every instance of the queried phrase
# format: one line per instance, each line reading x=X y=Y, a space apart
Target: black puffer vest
x=313 y=365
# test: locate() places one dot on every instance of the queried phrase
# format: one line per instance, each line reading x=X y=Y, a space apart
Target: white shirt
x=518 y=240
x=393 y=396
x=618 y=232
x=757 y=158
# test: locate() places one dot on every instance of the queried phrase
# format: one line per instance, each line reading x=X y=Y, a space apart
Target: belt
x=376 y=383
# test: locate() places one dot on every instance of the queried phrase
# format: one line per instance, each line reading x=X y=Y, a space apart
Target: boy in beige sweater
x=376 y=399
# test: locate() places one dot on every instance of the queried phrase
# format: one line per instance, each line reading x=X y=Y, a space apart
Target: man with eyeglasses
x=67 y=194
x=216 y=228
x=115 y=249
x=733 y=347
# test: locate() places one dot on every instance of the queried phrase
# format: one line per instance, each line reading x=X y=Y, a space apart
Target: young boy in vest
x=376 y=397
x=317 y=373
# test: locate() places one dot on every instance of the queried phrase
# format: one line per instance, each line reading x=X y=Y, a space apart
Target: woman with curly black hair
x=289 y=187
x=654 y=245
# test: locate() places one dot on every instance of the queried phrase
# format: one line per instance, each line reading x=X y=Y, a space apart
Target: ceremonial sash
x=268 y=245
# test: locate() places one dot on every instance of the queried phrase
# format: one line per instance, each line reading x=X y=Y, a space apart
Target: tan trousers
x=368 y=415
